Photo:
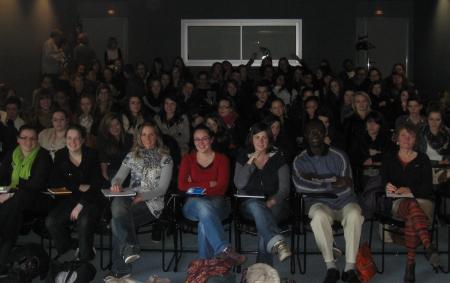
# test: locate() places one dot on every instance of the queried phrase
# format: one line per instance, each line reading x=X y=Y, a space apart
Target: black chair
x=246 y=226
x=395 y=225
x=444 y=217
x=163 y=223
x=304 y=225
x=183 y=225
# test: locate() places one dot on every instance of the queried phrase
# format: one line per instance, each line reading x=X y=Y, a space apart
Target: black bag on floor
x=26 y=263
x=71 y=272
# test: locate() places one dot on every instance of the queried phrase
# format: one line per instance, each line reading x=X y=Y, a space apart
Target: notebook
x=394 y=195
x=59 y=191
x=242 y=195
x=5 y=190
x=125 y=193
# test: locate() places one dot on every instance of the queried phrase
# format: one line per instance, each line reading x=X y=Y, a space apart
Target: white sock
x=349 y=266
x=330 y=264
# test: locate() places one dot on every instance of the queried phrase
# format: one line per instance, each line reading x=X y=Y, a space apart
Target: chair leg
x=173 y=258
x=371 y=233
x=237 y=239
x=178 y=250
x=102 y=267
x=293 y=250
x=382 y=249
x=448 y=248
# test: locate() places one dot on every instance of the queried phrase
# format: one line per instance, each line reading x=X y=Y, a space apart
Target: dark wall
x=154 y=27
x=328 y=26
x=432 y=45
x=24 y=26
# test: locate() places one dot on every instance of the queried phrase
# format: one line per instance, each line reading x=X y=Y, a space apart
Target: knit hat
x=261 y=273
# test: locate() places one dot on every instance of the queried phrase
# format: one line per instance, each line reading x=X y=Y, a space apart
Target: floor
x=150 y=262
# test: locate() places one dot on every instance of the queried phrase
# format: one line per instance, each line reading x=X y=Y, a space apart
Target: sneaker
x=114 y=276
x=332 y=276
x=131 y=254
x=282 y=250
x=350 y=276
x=232 y=255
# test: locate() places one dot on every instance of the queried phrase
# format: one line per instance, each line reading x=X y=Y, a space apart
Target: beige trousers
x=322 y=218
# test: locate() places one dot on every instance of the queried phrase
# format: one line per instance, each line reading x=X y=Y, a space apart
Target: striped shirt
x=333 y=163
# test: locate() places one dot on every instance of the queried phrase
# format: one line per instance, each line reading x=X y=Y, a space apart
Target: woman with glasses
x=26 y=170
x=209 y=170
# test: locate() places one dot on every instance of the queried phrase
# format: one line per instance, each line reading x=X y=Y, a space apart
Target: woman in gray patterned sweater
x=150 y=166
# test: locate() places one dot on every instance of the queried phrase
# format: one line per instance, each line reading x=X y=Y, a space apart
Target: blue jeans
x=209 y=212
x=125 y=219
x=266 y=220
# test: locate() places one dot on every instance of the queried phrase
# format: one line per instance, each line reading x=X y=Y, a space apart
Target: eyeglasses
x=204 y=139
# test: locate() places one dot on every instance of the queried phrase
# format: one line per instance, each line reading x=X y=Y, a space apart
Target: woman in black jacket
x=76 y=168
x=26 y=170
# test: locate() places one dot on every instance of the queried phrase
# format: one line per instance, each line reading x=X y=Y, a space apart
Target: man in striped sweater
x=326 y=170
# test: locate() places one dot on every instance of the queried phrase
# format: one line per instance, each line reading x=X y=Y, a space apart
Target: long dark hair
x=109 y=142
x=177 y=117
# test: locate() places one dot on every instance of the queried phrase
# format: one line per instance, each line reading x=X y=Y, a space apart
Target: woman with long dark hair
x=173 y=123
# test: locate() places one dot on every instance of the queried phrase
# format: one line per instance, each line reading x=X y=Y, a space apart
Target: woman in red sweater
x=208 y=170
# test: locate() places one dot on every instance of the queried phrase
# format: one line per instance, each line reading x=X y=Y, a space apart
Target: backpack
x=26 y=263
x=365 y=264
x=71 y=272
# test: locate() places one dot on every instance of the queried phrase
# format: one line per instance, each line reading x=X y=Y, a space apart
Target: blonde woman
x=151 y=170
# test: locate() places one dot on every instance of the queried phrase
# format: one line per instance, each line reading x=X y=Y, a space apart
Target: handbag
x=365 y=265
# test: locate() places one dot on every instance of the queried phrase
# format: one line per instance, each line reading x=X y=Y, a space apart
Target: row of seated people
x=261 y=169
x=225 y=121
x=236 y=104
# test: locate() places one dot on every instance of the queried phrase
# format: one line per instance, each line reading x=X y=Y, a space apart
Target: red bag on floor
x=365 y=264
x=201 y=269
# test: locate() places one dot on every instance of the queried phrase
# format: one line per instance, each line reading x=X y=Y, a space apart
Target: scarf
x=230 y=119
x=439 y=142
x=22 y=165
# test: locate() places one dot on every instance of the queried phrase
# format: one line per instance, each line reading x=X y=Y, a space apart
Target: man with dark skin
x=326 y=170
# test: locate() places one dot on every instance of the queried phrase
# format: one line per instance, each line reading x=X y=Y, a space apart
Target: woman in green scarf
x=26 y=171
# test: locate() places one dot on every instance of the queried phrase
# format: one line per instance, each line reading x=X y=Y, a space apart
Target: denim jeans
x=209 y=212
x=266 y=220
x=125 y=219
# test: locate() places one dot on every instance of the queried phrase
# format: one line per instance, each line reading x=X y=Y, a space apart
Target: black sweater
x=66 y=174
x=416 y=175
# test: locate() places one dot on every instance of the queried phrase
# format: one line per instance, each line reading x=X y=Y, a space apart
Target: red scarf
x=230 y=119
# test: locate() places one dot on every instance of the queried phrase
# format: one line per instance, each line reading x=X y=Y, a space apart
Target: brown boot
x=410 y=273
